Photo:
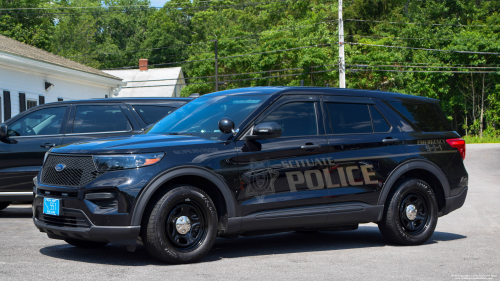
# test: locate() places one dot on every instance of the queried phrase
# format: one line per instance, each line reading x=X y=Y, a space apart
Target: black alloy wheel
x=413 y=213
x=183 y=239
x=410 y=213
x=180 y=226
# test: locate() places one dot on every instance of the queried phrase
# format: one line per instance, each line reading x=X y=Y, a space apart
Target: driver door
x=287 y=171
x=30 y=136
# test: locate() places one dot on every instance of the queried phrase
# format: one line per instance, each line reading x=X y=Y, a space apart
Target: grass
x=484 y=139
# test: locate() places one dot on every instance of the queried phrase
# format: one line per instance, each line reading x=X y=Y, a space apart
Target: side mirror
x=226 y=125
x=265 y=130
x=4 y=129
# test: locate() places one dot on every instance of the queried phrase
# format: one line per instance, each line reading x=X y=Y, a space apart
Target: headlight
x=120 y=162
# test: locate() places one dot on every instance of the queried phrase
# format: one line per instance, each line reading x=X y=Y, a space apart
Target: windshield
x=201 y=116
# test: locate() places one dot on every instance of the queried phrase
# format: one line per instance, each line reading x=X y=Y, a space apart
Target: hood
x=129 y=144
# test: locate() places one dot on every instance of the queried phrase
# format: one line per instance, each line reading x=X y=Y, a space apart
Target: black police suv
x=25 y=138
x=258 y=160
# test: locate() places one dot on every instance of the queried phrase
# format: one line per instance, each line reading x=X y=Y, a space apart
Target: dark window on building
x=6 y=105
x=349 y=118
x=41 y=100
x=31 y=103
x=100 y=118
x=22 y=102
x=59 y=99
x=380 y=125
x=296 y=119
x=152 y=113
x=427 y=117
x=41 y=122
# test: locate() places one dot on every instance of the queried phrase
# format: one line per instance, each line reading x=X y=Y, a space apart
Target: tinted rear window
x=152 y=113
x=350 y=118
x=427 y=117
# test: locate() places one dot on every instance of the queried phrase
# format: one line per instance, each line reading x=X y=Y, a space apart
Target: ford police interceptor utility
x=258 y=160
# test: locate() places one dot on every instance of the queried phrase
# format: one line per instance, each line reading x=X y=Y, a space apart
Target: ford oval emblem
x=60 y=167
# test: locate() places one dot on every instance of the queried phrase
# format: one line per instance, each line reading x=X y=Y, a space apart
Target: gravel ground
x=464 y=247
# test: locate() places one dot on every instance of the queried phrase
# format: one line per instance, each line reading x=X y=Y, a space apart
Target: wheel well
x=200 y=182
x=432 y=180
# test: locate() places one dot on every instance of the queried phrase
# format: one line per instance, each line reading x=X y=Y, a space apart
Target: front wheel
x=411 y=213
x=4 y=205
x=182 y=226
x=85 y=244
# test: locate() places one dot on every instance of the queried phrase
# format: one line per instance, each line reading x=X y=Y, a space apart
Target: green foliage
x=106 y=36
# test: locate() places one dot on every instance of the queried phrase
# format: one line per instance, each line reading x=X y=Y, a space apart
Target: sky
x=158 y=3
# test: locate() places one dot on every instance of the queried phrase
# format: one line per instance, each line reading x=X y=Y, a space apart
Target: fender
x=412 y=165
x=156 y=183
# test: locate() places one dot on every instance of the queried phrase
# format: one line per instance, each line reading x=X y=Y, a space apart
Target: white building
x=30 y=76
x=144 y=82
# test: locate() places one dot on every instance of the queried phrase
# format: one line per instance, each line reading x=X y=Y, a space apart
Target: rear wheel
x=182 y=226
x=411 y=213
x=4 y=205
x=85 y=244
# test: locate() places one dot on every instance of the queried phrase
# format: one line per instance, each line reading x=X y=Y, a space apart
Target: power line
x=235 y=56
x=149 y=8
x=93 y=7
x=424 y=49
x=416 y=63
x=416 y=23
x=403 y=38
x=428 y=66
x=427 y=71
x=237 y=74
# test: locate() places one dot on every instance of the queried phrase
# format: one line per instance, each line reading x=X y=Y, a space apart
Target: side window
x=100 y=118
x=152 y=113
x=41 y=122
x=296 y=119
x=349 y=118
x=427 y=117
x=380 y=125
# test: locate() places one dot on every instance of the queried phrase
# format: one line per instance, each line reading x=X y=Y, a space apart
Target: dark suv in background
x=26 y=138
x=258 y=160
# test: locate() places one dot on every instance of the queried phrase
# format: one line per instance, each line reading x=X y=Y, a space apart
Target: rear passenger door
x=365 y=148
x=91 y=121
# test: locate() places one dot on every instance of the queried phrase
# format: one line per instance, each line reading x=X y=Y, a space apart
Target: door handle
x=391 y=140
x=48 y=145
x=310 y=146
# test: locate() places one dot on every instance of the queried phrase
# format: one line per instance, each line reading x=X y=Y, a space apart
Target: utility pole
x=216 y=69
x=341 y=49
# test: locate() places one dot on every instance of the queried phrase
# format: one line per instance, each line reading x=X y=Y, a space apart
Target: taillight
x=458 y=144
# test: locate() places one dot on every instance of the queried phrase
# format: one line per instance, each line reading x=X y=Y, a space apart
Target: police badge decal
x=260 y=179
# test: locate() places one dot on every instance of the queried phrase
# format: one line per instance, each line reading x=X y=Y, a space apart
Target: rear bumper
x=119 y=235
x=16 y=196
x=455 y=202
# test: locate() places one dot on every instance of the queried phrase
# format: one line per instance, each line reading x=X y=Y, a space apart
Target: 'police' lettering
x=366 y=174
x=319 y=179
x=292 y=182
x=350 y=176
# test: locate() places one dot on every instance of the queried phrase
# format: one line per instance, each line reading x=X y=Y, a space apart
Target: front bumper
x=119 y=235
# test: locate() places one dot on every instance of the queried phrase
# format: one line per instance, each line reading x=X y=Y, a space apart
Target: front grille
x=71 y=218
x=79 y=170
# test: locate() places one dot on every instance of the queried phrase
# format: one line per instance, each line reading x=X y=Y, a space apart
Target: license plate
x=51 y=206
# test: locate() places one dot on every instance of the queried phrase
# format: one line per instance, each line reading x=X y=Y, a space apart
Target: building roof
x=154 y=83
x=14 y=47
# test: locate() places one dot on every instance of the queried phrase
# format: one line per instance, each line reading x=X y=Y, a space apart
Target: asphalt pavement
x=464 y=246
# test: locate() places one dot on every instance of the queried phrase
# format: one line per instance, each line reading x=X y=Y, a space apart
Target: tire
x=176 y=244
x=404 y=226
x=85 y=244
x=4 y=205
